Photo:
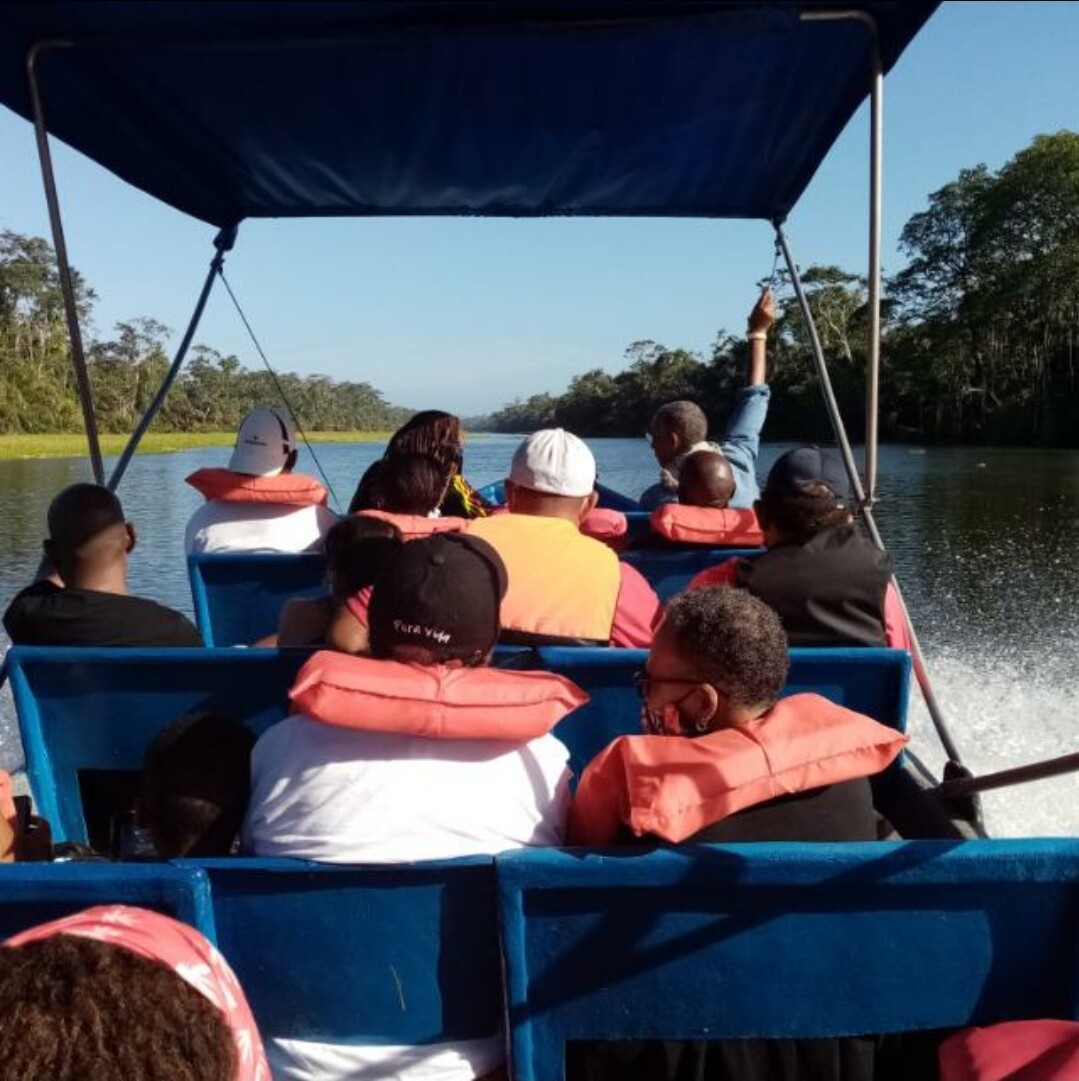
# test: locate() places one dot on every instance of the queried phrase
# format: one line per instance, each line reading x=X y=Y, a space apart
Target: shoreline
x=73 y=444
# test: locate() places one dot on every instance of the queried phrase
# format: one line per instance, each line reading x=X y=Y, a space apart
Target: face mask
x=665 y=721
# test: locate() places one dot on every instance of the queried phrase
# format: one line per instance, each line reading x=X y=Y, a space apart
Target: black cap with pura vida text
x=441 y=593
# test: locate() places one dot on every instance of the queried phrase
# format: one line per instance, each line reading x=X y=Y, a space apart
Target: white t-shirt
x=218 y=526
x=343 y=796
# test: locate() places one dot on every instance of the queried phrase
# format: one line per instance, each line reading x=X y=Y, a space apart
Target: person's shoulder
x=43 y=589
x=29 y=605
x=152 y=618
x=548 y=747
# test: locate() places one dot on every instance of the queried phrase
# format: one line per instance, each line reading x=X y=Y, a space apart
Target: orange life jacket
x=289 y=489
x=414 y=526
x=1044 y=1050
x=674 y=786
x=435 y=702
x=607 y=526
x=563 y=587
x=716 y=528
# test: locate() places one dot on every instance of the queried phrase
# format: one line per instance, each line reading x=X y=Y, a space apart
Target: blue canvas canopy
x=232 y=110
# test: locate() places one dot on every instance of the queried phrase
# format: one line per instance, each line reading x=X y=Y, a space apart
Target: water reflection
x=983 y=541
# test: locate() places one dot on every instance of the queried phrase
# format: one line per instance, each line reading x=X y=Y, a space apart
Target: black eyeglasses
x=643 y=682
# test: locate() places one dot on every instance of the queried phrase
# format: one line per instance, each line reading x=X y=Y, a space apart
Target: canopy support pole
x=67 y=286
x=223 y=243
x=843 y=442
x=872 y=375
x=876 y=155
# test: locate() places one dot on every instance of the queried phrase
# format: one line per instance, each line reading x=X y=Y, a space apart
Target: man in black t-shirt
x=85 y=602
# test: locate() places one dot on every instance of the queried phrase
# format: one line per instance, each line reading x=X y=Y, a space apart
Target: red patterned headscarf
x=185 y=951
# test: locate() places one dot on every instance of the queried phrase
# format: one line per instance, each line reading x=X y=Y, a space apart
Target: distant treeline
x=212 y=393
x=980 y=329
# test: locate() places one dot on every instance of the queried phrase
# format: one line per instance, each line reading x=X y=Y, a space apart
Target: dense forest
x=981 y=329
x=37 y=385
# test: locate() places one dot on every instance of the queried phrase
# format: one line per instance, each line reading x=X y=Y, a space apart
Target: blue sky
x=466 y=314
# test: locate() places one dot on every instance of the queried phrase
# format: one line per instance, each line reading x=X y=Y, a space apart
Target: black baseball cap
x=442 y=593
x=810 y=467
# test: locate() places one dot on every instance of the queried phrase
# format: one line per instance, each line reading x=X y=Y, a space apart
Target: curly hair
x=76 y=1009
x=799 y=516
x=736 y=642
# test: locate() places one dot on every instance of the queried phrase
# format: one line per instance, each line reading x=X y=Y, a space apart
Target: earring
x=700 y=726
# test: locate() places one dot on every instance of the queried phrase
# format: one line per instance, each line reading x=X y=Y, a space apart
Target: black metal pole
x=832 y=406
x=223 y=243
x=960 y=787
x=67 y=286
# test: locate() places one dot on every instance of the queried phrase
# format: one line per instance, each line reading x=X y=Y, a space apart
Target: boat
x=684 y=108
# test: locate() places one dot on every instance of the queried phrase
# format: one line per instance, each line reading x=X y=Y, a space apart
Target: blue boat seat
x=396 y=954
x=84 y=710
x=98 y=709
x=783 y=940
x=239 y=596
x=670 y=570
x=34 y=893
x=871 y=681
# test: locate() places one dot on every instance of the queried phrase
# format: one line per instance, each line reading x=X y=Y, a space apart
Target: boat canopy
x=233 y=110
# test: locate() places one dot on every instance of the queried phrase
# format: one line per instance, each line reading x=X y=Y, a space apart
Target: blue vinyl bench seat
x=98 y=709
x=783 y=940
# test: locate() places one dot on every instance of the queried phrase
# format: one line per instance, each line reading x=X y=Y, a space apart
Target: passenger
x=196 y=779
x=680 y=428
x=115 y=993
x=829 y=583
x=82 y=600
x=258 y=504
x=723 y=760
x=408 y=490
x=8 y=819
x=563 y=587
x=24 y=838
x=418 y=752
x=437 y=435
x=405 y=491
x=701 y=515
x=706 y=480
x=357 y=551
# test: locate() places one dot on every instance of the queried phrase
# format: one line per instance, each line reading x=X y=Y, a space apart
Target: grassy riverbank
x=74 y=445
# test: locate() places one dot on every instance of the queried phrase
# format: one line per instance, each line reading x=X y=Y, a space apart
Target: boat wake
x=1005 y=711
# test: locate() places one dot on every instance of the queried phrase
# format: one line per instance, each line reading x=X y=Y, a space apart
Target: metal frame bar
x=920 y=671
x=67 y=285
x=223 y=243
x=876 y=158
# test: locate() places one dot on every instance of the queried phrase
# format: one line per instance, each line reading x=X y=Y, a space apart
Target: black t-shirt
x=45 y=614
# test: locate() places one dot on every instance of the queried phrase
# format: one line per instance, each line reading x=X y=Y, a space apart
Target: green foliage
x=212 y=393
x=981 y=329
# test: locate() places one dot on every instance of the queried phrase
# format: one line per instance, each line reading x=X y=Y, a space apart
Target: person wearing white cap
x=258 y=504
x=564 y=587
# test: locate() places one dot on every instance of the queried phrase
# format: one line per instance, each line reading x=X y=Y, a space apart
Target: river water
x=984 y=542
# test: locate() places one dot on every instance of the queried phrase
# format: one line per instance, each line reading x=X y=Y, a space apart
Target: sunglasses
x=643 y=682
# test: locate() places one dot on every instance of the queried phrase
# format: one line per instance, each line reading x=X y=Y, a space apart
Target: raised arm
x=761 y=320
